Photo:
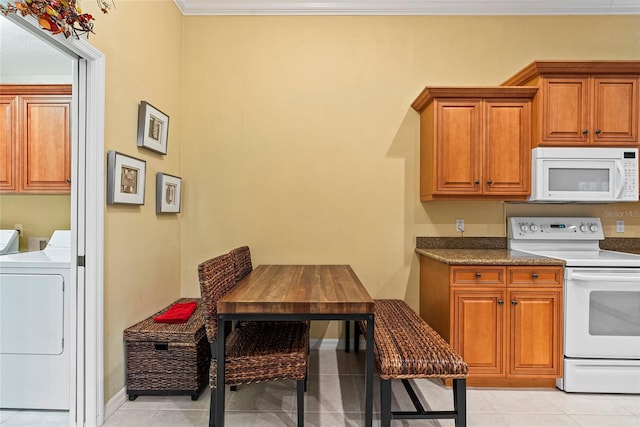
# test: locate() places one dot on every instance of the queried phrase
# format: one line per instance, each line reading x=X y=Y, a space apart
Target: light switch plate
x=620 y=226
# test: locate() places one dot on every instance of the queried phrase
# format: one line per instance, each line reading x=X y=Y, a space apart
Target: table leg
x=368 y=384
x=220 y=374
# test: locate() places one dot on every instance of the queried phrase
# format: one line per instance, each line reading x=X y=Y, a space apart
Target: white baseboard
x=115 y=402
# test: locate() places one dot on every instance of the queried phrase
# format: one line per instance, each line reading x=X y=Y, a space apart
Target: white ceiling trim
x=409 y=7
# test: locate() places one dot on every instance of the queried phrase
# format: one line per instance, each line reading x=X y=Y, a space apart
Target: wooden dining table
x=296 y=292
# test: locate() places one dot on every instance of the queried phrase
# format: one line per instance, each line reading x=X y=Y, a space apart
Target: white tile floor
x=334 y=399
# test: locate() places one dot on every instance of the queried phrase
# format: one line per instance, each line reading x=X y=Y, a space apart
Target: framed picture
x=125 y=179
x=168 y=193
x=153 y=128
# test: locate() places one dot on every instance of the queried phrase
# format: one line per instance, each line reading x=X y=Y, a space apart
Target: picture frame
x=168 y=193
x=126 y=178
x=153 y=128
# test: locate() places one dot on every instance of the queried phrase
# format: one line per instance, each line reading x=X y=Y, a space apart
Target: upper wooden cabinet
x=35 y=139
x=583 y=103
x=475 y=142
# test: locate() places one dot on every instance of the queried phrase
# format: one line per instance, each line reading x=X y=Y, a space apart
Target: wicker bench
x=406 y=347
x=168 y=358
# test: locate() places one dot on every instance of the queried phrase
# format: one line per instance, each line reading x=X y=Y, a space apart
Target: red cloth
x=177 y=313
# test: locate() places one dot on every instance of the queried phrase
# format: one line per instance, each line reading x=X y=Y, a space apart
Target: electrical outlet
x=19 y=228
x=620 y=226
x=460 y=225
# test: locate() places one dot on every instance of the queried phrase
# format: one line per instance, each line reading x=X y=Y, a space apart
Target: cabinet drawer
x=480 y=275
x=535 y=276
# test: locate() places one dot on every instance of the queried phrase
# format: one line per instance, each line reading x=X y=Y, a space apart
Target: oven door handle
x=595 y=277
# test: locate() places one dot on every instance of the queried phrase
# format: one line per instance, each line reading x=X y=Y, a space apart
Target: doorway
x=87 y=222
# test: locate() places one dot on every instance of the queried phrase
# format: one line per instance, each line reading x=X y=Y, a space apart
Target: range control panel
x=556 y=228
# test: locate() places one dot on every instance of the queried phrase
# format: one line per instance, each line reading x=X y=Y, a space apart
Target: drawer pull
x=161 y=346
x=500 y=302
x=478 y=275
x=534 y=276
x=514 y=302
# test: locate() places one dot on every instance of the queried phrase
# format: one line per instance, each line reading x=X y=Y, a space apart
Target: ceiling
x=409 y=7
x=25 y=58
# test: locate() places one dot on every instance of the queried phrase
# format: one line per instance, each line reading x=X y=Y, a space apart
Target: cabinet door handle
x=598 y=132
x=68 y=181
x=477 y=182
x=500 y=302
x=534 y=276
x=585 y=132
x=478 y=275
x=489 y=182
x=514 y=302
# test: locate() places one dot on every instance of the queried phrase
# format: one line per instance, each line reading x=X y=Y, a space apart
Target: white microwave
x=584 y=174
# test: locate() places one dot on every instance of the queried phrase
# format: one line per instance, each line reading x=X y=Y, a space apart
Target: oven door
x=602 y=313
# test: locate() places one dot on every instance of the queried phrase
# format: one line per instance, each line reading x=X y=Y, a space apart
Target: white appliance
x=8 y=241
x=34 y=326
x=594 y=175
x=601 y=331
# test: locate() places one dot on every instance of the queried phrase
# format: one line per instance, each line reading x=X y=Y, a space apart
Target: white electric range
x=601 y=301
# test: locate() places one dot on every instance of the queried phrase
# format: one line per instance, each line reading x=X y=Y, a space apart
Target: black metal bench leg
x=212 y=408
x=300 y=386
x=460 y=401
x=385 y=403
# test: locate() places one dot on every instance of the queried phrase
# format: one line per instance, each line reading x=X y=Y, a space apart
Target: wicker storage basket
x=167 y=358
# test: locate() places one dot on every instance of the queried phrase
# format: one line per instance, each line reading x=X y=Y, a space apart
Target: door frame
x=87 y=222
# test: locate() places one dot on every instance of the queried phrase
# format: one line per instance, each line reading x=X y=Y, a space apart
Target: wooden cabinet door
x=535 y=333
x=457 y=146
x=45 y=148
x=8 y=136
x=507 y=147
x=615 y=111
x=479 y=330
x=565 y=111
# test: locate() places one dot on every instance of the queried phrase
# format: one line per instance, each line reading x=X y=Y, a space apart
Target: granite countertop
x=487 y=257
x=493 y=250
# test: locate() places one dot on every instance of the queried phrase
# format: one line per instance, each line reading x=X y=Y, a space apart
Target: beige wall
x=142 y=42
x=40 y=215
x=299 y=139
x=295 y=135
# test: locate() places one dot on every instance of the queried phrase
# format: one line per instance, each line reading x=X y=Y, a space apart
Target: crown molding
x=409 y=7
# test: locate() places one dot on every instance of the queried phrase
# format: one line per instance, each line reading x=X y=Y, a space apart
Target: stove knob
x=583 y=228
x=524 y=227
x=593 y=228
x=534 y=228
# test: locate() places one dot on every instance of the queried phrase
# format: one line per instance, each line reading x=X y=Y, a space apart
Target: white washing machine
x=8 y=242
x=34 y=326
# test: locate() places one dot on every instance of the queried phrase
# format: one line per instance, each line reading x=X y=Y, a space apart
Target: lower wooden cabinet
x=509 y=330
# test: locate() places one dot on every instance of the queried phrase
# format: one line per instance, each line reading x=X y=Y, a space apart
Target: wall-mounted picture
x=153 y=128
x=168 y=193
x=125 y=179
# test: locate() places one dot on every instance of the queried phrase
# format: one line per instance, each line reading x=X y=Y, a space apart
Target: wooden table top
x=295 y=289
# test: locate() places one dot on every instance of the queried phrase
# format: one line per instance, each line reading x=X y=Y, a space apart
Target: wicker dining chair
x=243 y=266
x=257 y=351
x=241 y=262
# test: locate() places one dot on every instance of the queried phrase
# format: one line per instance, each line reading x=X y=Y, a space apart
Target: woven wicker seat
x=406 y=347
x=255 y=351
